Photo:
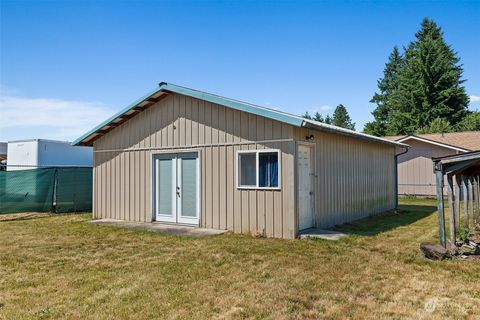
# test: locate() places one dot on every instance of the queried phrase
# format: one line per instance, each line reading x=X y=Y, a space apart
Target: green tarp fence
x=58 y=189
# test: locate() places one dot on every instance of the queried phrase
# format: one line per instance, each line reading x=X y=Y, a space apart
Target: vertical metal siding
x=355 y=178
x=123 y=177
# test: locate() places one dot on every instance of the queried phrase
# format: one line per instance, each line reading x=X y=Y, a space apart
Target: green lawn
x=61 y=267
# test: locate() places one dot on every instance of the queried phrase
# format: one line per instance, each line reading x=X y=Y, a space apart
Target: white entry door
x=305 y=187
x=177 y=188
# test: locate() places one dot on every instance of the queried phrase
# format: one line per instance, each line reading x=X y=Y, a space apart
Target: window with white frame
x=258 y=169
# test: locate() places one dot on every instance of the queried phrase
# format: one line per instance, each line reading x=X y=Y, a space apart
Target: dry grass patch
x=61 y=267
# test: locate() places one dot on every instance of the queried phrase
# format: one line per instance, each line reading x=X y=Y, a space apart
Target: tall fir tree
x=318 y=117
x=341 y=118
x=429 y=84
x=386 y=86
x=307 y=116
x=328 y=119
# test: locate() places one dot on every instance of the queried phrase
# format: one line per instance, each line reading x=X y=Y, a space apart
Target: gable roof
x=165 y=88
x=460 y=141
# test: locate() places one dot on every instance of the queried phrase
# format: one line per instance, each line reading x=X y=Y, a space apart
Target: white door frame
x=313 y=166
x=153 y=195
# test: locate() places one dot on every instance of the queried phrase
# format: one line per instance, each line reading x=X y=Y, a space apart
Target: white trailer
x=34 y=153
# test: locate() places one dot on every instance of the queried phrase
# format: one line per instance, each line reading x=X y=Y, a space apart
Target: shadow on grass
x=10 y=217
x=372 y=226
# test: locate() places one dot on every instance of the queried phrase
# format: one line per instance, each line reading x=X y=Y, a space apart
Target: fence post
x=465 y=200
x=54 y=196
x=451 y=210
x=478 y=199
x=440 y=206
x=470 y=202
x=75 y=189
x=475 y=200
x=457 y=201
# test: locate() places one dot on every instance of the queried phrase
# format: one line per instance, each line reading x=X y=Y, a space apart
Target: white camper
x=34 y=153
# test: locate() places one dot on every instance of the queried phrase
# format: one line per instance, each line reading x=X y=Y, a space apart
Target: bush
x=464 y=234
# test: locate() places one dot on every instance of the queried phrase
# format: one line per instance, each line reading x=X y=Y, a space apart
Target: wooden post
x=470 y=202
x=457 y=201
x=451 y=210
x=478 y=196
x=465 y=200
x=475 y=199
x=478 y=199
x=441 y=214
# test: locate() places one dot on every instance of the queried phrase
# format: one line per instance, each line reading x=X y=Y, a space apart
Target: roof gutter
x=338 y=130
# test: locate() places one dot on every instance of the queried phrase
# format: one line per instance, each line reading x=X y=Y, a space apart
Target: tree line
x=421 y=91
x=340 y=118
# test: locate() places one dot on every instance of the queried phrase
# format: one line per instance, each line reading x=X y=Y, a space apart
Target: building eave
x=165 y=88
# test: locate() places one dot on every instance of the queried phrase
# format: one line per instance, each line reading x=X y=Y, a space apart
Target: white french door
x=177 y=188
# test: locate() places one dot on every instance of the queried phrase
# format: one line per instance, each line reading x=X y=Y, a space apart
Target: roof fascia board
x=116 y=115
x=338 y=130
x=432 y=142
x=457 y=157
x=457 y=166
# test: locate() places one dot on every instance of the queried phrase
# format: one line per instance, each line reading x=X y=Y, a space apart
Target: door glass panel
x=164 y=186
x=189 y=187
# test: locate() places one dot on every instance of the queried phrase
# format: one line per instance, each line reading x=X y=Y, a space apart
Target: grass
x=61 y=267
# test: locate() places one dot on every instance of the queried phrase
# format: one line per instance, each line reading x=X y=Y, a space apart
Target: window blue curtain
x=268 y=171
x=263 y=171
x=273 y=168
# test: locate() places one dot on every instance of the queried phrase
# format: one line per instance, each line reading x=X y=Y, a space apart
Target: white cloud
x=321 y=109
x=48 y=118
x=474 y=99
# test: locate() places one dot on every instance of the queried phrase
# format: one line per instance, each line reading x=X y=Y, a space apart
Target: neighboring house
x=184 y=156
x=34 y=153
x=415 y=168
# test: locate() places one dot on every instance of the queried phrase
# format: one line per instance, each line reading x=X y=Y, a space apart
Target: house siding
x=415 y=168
x=122 y=186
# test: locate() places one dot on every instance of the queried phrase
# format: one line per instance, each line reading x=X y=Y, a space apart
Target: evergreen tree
x=470 y=123
x=429 y=84
x=386 y=86
x=307 y=116
x=439 y=125
x=318 y=117
x=341 y=118
x=328 y=119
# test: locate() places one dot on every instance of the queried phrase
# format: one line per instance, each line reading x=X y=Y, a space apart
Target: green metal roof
x=284 y=117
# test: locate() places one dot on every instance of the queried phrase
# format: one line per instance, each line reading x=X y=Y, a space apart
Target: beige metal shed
x=184 y=156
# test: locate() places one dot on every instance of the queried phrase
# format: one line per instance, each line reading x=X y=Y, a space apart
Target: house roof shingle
x=468 y=140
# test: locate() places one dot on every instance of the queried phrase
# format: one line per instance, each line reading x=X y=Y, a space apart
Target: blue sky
x=67 y=65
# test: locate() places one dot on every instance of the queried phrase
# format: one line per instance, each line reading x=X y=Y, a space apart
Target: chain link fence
x=45 y=189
